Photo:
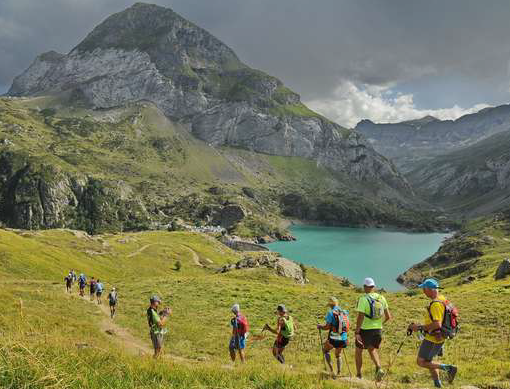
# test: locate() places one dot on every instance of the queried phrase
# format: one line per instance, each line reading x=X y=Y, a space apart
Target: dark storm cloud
x=312 y=45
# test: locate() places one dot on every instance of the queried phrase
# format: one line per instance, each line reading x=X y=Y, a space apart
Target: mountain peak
x=170 y=39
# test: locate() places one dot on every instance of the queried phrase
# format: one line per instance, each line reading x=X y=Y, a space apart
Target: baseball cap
x=235 y=308
x=369 y=282
x=429 y=283
x=155 y=298
x=281 y=308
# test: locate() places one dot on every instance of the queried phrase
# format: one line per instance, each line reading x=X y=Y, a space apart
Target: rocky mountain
x=472 y=181
x=151 y=117
x=417 y=140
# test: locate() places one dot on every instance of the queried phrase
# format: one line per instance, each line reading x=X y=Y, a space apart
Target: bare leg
x=242 y=355
x=358 y=356
x=338 y=357
x=233 y=354
x=433 y=367
x=375 y=357
x=326 y=349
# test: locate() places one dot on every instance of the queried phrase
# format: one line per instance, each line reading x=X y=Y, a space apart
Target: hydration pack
x=450 y=324
x=376 y=307
x=241 y=324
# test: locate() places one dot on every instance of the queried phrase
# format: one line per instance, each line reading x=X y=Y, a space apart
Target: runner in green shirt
x=372 y=309
x=157 y=322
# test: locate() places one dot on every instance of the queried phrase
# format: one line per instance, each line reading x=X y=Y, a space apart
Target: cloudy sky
x=386 y=60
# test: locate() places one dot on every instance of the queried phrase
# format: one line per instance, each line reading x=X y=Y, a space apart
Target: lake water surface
x=357 y=253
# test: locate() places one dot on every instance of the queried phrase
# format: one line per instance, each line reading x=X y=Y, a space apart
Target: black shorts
x=337 y=343
x=113 y=303
x=281 y=342
x=370 y=338
x=429 y=350
x=98 y=294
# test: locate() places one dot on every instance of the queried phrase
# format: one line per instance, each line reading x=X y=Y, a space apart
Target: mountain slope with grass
x=472 y=181
x=52 y=339
x=152 y=121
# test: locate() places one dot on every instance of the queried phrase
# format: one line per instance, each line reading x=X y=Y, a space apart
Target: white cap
x=369 y=282
x=235 y=308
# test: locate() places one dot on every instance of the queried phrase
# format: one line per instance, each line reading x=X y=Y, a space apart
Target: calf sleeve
x=328 y=357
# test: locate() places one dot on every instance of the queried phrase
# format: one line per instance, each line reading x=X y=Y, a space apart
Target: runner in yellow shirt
x=432 y=345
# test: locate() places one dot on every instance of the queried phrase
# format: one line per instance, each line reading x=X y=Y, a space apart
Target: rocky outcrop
x=34 y=196
x=503 y=269
x=242 y=245
x=149 y=53
x=458 y=254
x=229 y=215
x=282 y=267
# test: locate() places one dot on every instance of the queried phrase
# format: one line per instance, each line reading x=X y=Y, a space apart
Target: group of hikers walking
x=96 y=289
x=439 y=324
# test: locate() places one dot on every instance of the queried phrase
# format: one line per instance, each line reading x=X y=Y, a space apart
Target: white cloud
x=351 y=103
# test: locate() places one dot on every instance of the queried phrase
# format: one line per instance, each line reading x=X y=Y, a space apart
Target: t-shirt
x=364 y=307
x=99 y=287
x=437 y=311
x=112 y=296
x=287 y=328
x=155 y=329
x=330 y=319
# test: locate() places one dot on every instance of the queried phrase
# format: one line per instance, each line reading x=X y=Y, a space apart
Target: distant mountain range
x=409 y=142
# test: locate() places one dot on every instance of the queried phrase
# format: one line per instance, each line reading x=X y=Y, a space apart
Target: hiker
x=337 y=323
x=157 y=322
x=69 y=282
x=284 y=332
x=82 y=282
x=92 y=288
x=112 y=300
x=435 y=332
x=99 y=291
x=239 y=334
x=371 y=308
x=73 y=276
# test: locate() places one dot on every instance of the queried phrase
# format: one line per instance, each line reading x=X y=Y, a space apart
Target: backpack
x=450 y=324
x=113 y=297
x=342 y=323
x=376 y=307
x=241 y=325
x=149 y=317
x=288 y=327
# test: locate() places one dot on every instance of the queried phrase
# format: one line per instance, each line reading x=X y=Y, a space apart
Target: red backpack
x=242 y=324
x=342 y=323
x=450 y=324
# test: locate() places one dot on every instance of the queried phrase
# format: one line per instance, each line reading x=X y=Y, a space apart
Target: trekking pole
x=322 y=345
x=347 y=363
x=408 y=334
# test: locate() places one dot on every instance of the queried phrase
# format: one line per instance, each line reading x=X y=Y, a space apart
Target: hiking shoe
x=452 y=372
x=358 y=376
x=379 y=374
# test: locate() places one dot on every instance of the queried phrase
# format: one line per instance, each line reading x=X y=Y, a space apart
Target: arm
x=359 y=322
x=326 y=326
x=387 y=315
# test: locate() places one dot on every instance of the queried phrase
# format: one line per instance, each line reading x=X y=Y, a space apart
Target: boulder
x=229 y=215
x=287 y=268
x=503 y=269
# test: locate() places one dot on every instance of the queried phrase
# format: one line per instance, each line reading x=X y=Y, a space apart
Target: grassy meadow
x=52 y=339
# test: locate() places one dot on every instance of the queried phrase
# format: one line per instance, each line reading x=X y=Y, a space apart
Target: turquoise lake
x=357 y=253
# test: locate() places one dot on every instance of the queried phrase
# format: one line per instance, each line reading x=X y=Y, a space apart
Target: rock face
x=229 y=215
x=152 y=54
x=283 y=267
x=34 y=197
x=409 y=141
x=503 y=269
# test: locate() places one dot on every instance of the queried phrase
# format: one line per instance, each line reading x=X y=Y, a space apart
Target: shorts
x=112 y=303
x=82 y=286
x=98 y=294
x=237 y=342
x=281 y=342
x=370 y=338
x=429 y=350
x=337 y=343
x=157 y=340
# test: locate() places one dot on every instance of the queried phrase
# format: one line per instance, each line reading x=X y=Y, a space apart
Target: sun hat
x=369 y=282
x=429 y=283
x=333 y=300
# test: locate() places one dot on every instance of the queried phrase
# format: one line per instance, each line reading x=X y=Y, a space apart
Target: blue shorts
x=237 y=342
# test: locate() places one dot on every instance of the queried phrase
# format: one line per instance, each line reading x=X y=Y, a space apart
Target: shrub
x=178 y=265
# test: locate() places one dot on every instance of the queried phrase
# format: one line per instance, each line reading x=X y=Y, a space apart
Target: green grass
x=38 y=344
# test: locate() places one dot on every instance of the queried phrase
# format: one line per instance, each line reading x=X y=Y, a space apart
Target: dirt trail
x=194 y=256
x=139 y=250
x=130 y=343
